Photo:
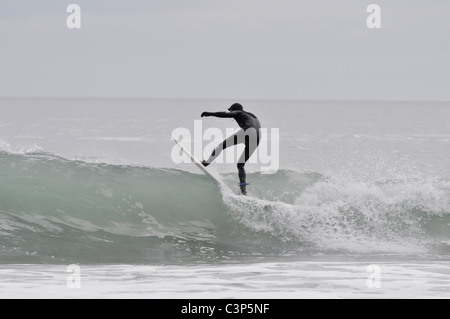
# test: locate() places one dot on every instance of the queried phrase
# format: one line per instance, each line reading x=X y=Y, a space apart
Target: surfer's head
x=236 y=107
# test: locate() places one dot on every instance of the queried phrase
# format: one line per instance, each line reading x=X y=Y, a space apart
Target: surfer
x=248 y=135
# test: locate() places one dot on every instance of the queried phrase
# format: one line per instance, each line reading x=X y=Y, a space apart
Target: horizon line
x=223 y=99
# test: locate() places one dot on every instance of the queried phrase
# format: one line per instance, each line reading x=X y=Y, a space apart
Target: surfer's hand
x=205 y=114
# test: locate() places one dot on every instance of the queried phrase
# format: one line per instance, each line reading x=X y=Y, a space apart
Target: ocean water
x=91 y=182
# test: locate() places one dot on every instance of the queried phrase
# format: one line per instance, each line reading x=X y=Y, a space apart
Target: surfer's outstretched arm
x=221 y=114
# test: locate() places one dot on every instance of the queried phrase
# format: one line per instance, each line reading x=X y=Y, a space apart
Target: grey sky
x=253 y=49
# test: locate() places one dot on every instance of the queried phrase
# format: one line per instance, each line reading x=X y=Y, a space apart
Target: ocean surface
x=361 y=192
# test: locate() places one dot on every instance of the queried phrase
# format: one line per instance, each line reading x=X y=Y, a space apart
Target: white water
x=287 y=280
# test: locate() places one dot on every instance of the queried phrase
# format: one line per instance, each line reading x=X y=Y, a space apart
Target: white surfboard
x=215 y=176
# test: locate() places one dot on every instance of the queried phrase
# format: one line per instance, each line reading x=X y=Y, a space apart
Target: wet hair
x=236 y=107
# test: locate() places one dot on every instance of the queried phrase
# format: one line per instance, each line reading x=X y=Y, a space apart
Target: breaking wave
x=53 y=209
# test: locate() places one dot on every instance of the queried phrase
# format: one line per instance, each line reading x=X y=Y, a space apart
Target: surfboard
x=214 y=176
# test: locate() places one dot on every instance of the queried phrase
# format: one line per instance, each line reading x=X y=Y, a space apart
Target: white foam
x=351 y=215
x=24 y=150
x=287 y=280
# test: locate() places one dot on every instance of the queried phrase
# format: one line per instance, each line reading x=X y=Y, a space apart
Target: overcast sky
x=231 y=49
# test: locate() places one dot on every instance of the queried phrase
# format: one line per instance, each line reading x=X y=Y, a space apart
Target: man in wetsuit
x=248 y=135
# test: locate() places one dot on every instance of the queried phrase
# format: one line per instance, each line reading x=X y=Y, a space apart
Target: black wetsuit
x=248 y=135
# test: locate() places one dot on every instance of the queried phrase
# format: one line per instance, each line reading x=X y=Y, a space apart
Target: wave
x=60 y=210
